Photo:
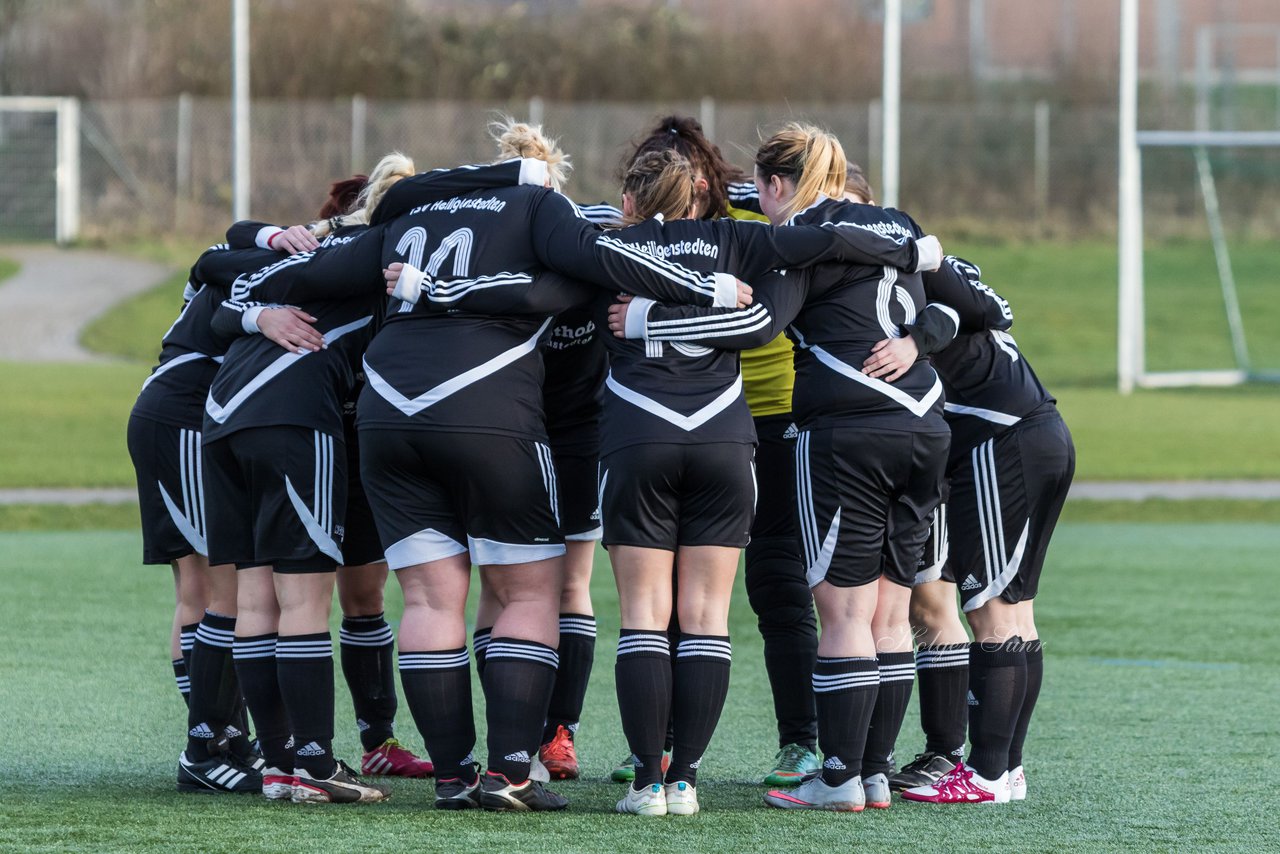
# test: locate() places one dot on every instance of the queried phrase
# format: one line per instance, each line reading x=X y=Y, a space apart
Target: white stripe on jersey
x=745 y=320
x=178 y=360
x=690 y=422
x=221 y=413
x=985 y=414
x=918 y=408
x=451 y=386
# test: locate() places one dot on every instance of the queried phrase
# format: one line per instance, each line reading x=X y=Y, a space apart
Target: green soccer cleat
x=626 y=770
x=791 y=765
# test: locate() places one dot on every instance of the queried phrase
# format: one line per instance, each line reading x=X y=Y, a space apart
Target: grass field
x=8 y=267
x=1158 y=705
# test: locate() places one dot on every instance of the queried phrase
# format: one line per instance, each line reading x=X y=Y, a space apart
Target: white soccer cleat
x=277 y=785
x=815 y=794
x=1017 y=784
x=876 y=791
x=651 y=800
x=682 y=798
x=962 y=785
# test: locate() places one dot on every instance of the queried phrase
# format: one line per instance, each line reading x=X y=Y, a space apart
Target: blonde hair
x=807 y=155
x=659 y=182
x=520 y=139
x=390 y=169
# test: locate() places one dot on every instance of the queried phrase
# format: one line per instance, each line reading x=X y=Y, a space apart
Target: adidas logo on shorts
x=311 y=749
x=518 y=756
x=973 y=701
x=200 y=731
x=595 y=515
x=791 y=432
x=834 y=763
x=970 y=583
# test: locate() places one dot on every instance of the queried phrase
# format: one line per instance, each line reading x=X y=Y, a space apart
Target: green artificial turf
x=1160 y=657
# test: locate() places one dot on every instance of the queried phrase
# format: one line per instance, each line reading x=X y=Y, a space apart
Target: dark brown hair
x=342 y=196
x=684 y=135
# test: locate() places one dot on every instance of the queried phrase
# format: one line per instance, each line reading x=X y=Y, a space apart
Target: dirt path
x=47 y=303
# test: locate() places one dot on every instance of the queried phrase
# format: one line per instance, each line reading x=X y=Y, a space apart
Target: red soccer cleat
x=391 y=759
x=559 y=756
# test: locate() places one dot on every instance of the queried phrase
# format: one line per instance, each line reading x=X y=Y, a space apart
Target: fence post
x=875 y=119
x=359 y=115
x=67 y=178
x=535 y=110
x=708 y=115
x=182 y=178
x=1042 y=160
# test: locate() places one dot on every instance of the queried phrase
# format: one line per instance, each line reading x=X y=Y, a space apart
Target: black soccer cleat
x=925 y=770
x=455 y=793
x=344 y=786
x=217 y=774
x=498 y=794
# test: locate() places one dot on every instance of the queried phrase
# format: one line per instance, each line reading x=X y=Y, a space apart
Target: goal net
x=39 y=168
x=1199 y=214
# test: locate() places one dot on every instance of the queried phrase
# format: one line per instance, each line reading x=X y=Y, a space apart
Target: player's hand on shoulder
x=744 y=294
x=295 y=239
x=291 y=328
x=618 y=315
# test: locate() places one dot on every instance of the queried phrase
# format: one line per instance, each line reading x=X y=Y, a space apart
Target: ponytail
x=659 y=182
x=809 y=156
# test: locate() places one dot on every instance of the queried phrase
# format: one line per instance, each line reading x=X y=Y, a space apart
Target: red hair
x=342 y=196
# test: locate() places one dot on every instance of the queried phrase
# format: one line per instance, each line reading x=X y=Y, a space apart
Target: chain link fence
x=152 y=167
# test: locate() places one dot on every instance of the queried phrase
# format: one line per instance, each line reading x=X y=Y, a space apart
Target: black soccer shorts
x=662 y=496
x=864 y=499
x=169 y=467
x=933 y=564
x=437 y=494
x=576 y=454
x=360 y=543
x=1005 y=502
x=277 y=497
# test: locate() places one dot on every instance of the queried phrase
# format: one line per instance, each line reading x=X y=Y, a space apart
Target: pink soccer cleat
x=962 y=785
x=391 y=759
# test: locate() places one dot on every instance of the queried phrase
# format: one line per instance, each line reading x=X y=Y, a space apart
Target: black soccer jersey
x=190 y=353
x=989 y=384
x=835 y=314
x=261 y=384
x=574 y=359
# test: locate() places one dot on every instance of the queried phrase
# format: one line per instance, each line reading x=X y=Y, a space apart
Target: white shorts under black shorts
x=864 y=500
x=277 y=496
x=1005 y=501
x=167 y=460
x=662 y=496
x=437 y=494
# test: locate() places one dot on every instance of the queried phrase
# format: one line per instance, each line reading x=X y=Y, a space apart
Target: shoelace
x=560 y=747
x=790 y=757
x=958 y=781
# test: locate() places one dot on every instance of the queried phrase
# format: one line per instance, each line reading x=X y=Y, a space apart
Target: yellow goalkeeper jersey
x=768 y=372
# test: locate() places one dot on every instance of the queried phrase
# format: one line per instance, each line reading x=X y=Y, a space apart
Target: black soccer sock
x=182 y=680
x=780 y=597
x=255 y=659
x=305 y=666
x=577 y=654
x=1035 y=675
x=186 y=641
x=897 y=675
x=943 y=673
x=644 y=682
x=437 y=688
x=518 y=677
x=214 y=688
x=997 y=688
x=700 y=684
x=845 y=690
x=480 y=643
x=367 y=665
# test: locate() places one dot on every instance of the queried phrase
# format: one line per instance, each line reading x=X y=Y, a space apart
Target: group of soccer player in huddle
x=462 y=367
